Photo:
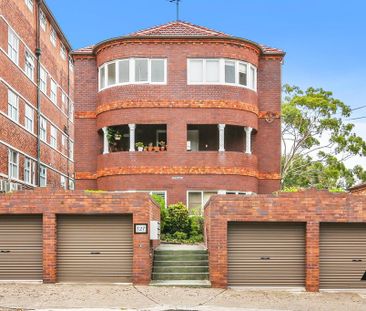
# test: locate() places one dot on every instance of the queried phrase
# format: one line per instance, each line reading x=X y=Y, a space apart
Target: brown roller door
x=342 y=256
x=266 y=254
x=95 y=248
x=20 y=248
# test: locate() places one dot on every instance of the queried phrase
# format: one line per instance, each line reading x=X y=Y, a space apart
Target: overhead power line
x=358 y=108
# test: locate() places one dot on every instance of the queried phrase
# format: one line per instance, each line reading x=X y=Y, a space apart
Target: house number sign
x=140 y=228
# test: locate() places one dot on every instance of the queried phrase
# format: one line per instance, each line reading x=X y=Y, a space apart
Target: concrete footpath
x=127 y=297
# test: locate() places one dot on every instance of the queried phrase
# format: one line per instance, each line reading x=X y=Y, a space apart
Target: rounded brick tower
x=203 y=107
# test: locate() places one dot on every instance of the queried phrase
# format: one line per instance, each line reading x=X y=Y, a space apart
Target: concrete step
x=180 y=252
x=180 y=269
x=180 y=257
x=158 y=263
x=180 y=276
x=182 y=283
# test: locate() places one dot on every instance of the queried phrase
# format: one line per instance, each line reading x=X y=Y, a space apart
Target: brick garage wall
x=310 y=207
x=52 y=203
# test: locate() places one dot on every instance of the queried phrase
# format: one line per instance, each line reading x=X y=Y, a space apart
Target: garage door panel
x=266 y=254
x=342 y=255
x=95 y=248
x=21 y=247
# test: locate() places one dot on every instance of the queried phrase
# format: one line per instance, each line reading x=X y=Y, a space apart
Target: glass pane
x=212 y=71
x=253 y=78
x=141 y=70
x=112 y=74
x=207 y=196
x=229 y=72
x=242 y=74
x=102 y=77
x=157 y=70
x=195 y=71
x=124 y=71
x=194 y=203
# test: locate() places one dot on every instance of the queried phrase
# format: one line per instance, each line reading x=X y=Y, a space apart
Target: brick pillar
x=142 y=254
x=49 y=248
x=312 y=256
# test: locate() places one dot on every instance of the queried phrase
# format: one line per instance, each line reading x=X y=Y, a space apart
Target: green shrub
x=163 y=211
x=196 y=225
x=180 y=236
x=177 y=219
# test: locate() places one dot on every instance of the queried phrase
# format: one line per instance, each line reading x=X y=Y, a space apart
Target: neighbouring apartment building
x=179 y=110
x=36 y=98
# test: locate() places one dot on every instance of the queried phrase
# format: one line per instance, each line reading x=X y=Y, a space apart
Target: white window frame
x=53 y=36
x=29 y=65
x=29 y=4
x=42 y=20
x=42 y=176
x=43 y=80
x=202 y=194
x=13 y=167
x=29 y=171
x=63 y=143
x=53 y=91
x=13 y=46
x=71 y=185
x=222 y=81
x=131 y=72
x=53 y=137
x=29 y=118
x=43 y=129
x=13 y=106
x=71 y=150
x=63 y=182
x=63 y=52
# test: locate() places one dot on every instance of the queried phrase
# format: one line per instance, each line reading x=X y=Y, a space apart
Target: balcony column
x=105 y=140
x=221 y=137
x=132 y=136
x=248 y=139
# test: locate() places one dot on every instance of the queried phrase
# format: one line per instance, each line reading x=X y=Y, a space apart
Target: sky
x=324 y=39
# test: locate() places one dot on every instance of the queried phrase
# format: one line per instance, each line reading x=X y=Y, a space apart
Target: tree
x=316 y=140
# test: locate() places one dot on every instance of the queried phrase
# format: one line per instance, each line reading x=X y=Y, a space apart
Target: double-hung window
x=29 y=171
x=29 y=118
x=141 y=70
x=43 y=20
x=53 y=36
x=63 y=182
x=13 y=166
x=29 y=65
x=53 y=93
x=63 y=143
x=13 y=106
x=29 y=4
x=42 y=176
x=43 y=129
x=13 y=46
x=71 y=150
x=43 y=80
x=63 y=51
x=53 y=137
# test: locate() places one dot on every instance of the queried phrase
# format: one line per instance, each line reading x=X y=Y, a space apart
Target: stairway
x=180 y=265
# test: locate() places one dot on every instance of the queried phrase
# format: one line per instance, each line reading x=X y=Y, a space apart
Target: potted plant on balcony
x=162 y=145
x=150 y=147
x=117 y=135
x=140 y=146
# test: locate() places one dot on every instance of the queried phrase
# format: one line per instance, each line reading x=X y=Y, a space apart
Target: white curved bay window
x=133 y=71
x=222 y=71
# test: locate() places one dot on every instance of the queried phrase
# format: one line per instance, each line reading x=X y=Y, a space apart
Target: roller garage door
x=95 y=248
x=342 y=256
x=20 y=247
x=266 y=254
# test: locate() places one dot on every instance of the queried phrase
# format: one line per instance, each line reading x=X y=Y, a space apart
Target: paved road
x=117 y=297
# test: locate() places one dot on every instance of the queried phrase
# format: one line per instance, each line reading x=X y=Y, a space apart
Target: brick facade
x=310 y=207
x=17 y=18
x=177 y=105
x=50 y=204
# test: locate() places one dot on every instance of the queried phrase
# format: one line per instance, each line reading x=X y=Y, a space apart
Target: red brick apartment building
x=36 y=98
x=207 y=103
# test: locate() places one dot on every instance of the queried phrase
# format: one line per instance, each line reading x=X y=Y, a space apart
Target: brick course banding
x=49 y=204
x=311 y=207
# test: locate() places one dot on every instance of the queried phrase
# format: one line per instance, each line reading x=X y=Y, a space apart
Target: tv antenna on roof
x=177 y=3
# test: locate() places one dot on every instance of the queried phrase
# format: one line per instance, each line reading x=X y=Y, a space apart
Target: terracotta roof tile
x=179 y=28
x=86 y=50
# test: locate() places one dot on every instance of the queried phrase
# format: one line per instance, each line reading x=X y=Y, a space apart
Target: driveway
x=126 y=297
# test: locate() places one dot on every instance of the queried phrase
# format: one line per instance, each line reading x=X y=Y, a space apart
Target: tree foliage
x=316 y=140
